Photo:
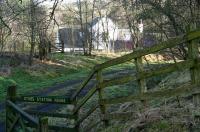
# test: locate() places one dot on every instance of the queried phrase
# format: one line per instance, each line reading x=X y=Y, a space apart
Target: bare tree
x=32 y=28
x=79 y=3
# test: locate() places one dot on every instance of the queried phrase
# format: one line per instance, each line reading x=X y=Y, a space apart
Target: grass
x=159 y=126
x=42 y=75
x=165 y=126
x=63 y=67
x=121 y=90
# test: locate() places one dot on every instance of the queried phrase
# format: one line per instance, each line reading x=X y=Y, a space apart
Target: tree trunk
x=32 y=26
x=82 y=28
x=49 y=46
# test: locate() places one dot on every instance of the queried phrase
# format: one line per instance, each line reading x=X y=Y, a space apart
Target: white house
x=105 y=31
x=124 y=34
x=105 y=36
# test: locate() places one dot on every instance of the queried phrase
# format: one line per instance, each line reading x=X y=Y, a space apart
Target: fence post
x=11 y=93
x=100 y=91
x=43 y=124
x=193 y=54
x=140 y=69
x=76 y=116
x=76 y=119
x=141 y=82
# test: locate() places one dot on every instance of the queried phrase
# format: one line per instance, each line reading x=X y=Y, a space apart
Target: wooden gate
x=18 y=119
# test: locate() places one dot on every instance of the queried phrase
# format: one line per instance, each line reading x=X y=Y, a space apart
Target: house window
x=81 y=34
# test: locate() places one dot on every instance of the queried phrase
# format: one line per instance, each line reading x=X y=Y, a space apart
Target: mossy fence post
x=43 y=124
x=141 y=81
x=11 y=94
x=193 y=53
x=140 y=69
x=100 y=91
x=76 y=114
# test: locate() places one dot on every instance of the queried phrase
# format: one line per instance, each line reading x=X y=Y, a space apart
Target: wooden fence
x=192 y=63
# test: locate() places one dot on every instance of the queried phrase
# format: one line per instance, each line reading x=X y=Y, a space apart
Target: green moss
x=4 y=83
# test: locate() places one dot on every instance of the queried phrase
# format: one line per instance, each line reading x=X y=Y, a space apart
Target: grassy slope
x=164 y=125
x=42 y=75
x=62 y=67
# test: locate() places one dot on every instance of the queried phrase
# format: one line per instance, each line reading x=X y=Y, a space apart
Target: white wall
x=104 y=25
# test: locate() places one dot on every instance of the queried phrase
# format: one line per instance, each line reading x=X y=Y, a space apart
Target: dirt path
x=64 y=85
x=49 y=90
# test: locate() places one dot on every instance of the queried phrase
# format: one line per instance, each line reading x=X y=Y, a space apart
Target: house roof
x=95 y=21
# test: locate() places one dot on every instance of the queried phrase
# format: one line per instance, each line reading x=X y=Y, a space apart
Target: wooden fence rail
x=22 y=113
x=150 y=95
x=50 y=114
x=146 y=74
x=43 y=99
x=83 y=85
